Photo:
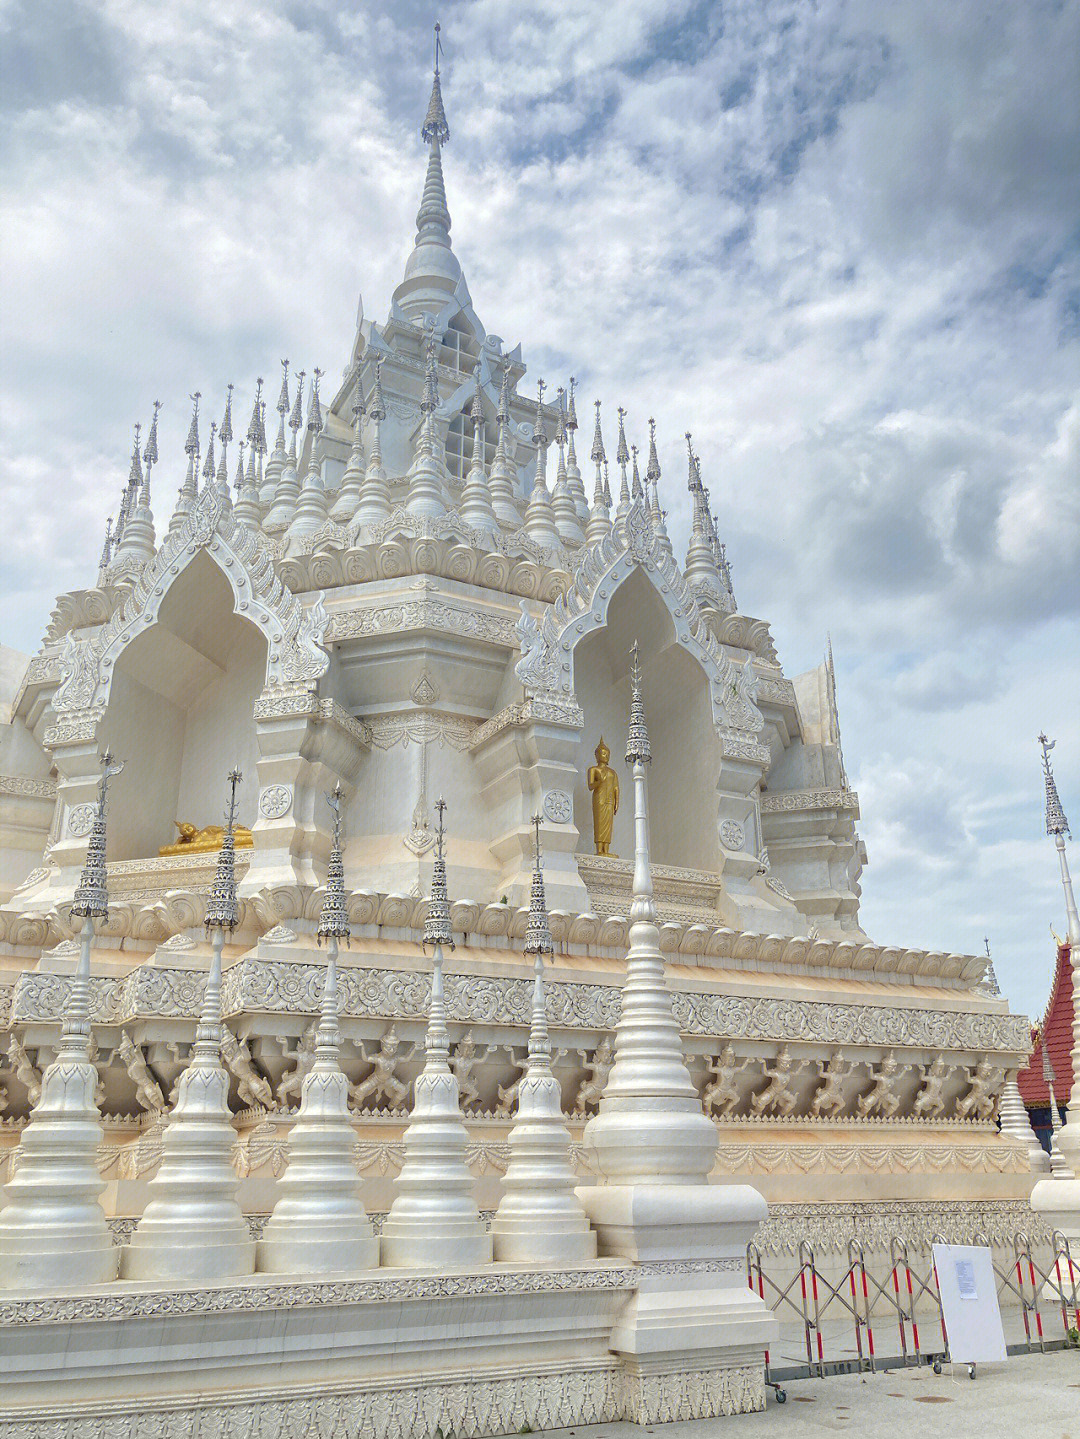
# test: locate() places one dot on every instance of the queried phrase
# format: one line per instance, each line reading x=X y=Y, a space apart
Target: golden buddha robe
x=603 y=783
x=207 y=840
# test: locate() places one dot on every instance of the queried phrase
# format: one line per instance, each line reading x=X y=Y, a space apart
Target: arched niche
x=686 y=751
x=180 y=714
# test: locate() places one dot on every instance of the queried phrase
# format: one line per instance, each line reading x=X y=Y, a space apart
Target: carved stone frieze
x=425 y=614
x=378 y=1289
x=388 y=730
x=808 y=799
x=32 y=788
x=875 y=1223
x=74 y=727
x=763 y=1158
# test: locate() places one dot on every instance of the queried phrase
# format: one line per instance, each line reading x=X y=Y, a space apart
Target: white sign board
x=968 y=1289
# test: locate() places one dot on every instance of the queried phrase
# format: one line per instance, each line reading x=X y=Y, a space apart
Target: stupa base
x=286 y=1254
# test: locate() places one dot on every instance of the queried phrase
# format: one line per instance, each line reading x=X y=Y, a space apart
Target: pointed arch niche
x=180 y=714
x=685 y=747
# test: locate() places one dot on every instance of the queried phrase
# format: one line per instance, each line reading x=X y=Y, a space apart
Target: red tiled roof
x=1055 y=1034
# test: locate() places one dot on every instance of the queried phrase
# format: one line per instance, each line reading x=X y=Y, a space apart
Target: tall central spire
x=432 y=272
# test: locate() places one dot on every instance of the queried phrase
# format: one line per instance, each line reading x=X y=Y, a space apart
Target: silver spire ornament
x=637 y=739
x=334 y=916
x=1056 y=823
x=538 y=939
x=437 y=929
x=92 y=897
x=223 y=909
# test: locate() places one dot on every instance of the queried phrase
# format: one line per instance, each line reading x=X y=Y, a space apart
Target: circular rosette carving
x=393 y=560
x=819 y=953
x=770 y=949
x=746 y=947
x=359 y=567
x=396 y=911
x=475 y=999
x=670 y=934
x=464 y=916
x=555 y=585
x=584 y=929
x=363 y=907
x=795 y=950
x=613 y=931
x=169 y=991
x=425 y=556
x=495 y=919
x=462 y=563
x=524 y=580
x=28 y=929
x=695 y=939
x=493 y=572
x=293 y=574
x=147 y=925
x=325 y=571
x=720 y=943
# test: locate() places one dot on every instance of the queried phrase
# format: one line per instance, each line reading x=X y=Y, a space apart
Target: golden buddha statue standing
x=603 y=783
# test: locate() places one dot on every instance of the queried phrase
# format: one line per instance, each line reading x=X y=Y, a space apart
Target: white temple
x=419 y=591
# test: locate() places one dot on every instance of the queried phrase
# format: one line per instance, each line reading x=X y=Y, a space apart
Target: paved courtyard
x=1031 y=1396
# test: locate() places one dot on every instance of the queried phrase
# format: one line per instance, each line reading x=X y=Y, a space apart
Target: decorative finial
x=238 y=482
x=191 y=444
x=538 y=939
x=1056 y=823
x=92 y=895
x=539 y=436
x=359 y=405
x=430 y=402
x=636 y=489
x=652 y=472
x=209 y=466
x=225 y=430
x=622 y=453
x=315 y=419
x=502 y=415
x=377 y=408
x=571 y=411
x=597 y=454
x=135 y=474
x=255 y=423
x=560 y=423
x=435 y=129
x=296 y=419
x=106 y=549
x=222 y=908
x=637 y=740
x=334 y=916
x=150 y=452
x=476 y=409
x=283 y=398
x=437 y=929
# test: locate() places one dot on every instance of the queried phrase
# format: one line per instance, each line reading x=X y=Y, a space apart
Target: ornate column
x=306 y=745
x=527 y=758
x=434 y=1219
x=540 y=1220
x=193 y=1229
x=53 y=1231
x=692 y=1338
x=319 y=1225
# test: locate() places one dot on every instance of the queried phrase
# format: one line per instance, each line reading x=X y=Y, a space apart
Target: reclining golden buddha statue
x=207 y=840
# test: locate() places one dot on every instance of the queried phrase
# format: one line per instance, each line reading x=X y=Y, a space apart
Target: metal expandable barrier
x=906 y=1293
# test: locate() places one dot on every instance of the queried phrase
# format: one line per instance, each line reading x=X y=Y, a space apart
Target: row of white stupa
x=301 y=511
x=650 y=1129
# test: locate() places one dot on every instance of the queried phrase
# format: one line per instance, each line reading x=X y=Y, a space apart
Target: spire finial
x=435 y=129
x=150 y=451
x=539 y=435
x=296 y=419
x=597 y=454
x=437 y=930
x=334 y=916
x=209 y=468
x=636 y=490
x=238 y=482
x=637 y=741
x=191 y=444
x=538 y=939
x=92 y=896
x=225 y=429
x=430 y=402
x=222 y=908
x=135 y=474
x=622 y=453
x=1056 y=823
x=255 y=423
x=652 y=472
x=377 y=407
x=283 y=397
x=571 y=409
x=315 y=419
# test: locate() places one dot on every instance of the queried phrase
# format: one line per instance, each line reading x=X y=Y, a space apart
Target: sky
x=840 y=243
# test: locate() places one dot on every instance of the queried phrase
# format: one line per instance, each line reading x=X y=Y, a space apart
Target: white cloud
x=837 y=242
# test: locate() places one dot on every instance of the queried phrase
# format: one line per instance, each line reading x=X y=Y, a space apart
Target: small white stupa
x=434 y=1219
x=193 y=1228
x=319 y=1224
x=53 y=1231
x=540 y=1219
